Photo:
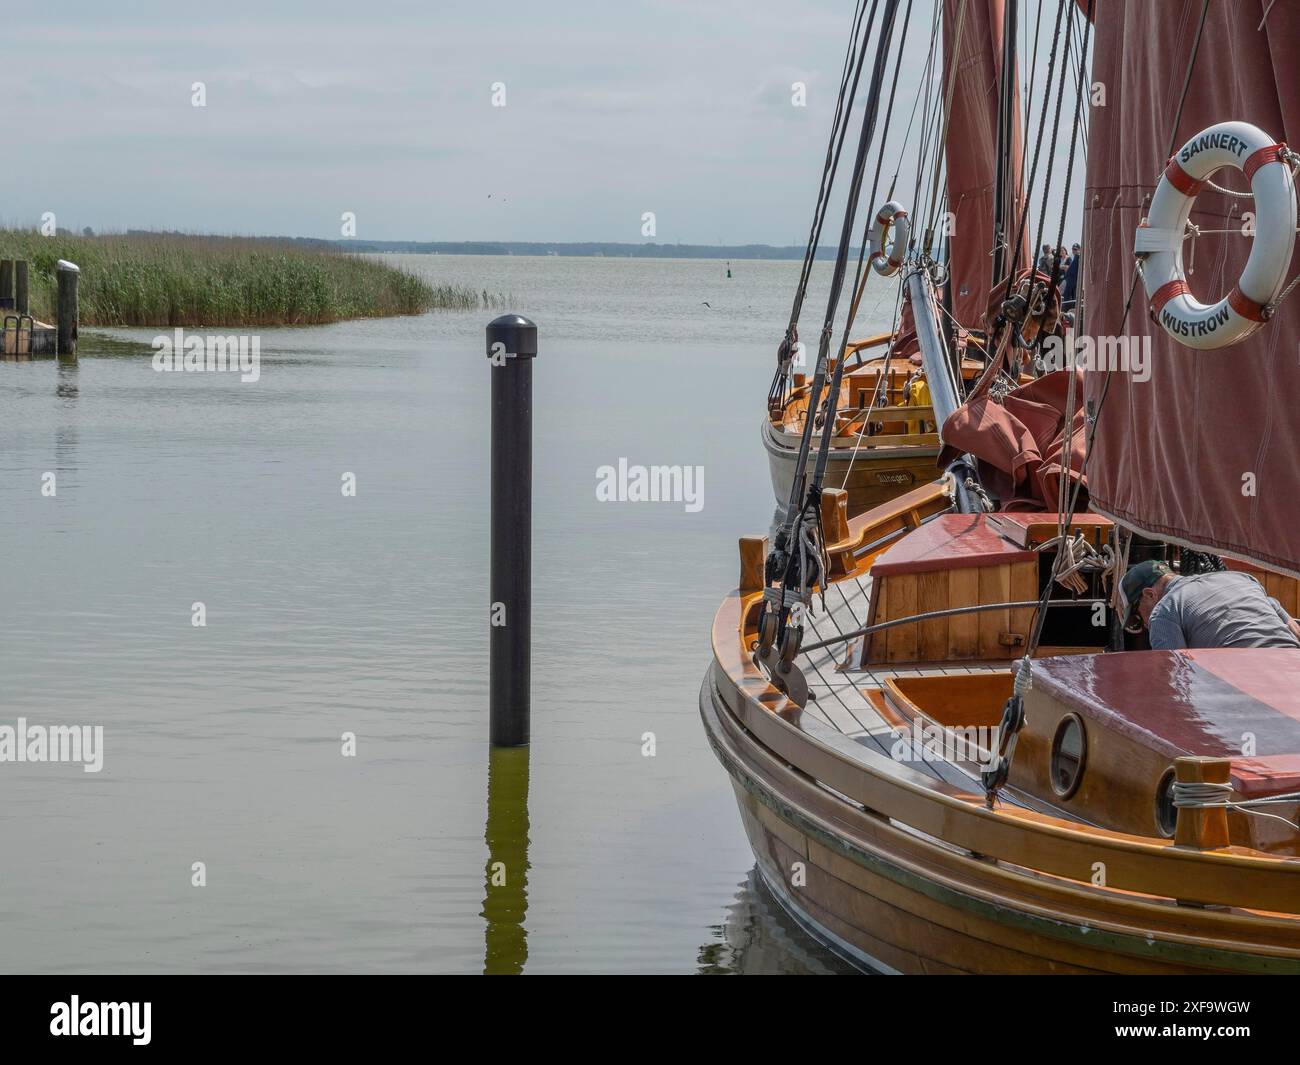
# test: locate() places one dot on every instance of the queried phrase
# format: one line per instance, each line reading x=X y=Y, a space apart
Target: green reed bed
x=177 y=280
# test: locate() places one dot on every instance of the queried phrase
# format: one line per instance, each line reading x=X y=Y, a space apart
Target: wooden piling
x=69 y=274
x=20 y=286
x=753 y=556
x=1204 y=829
x=6 y=284
x=835 y=514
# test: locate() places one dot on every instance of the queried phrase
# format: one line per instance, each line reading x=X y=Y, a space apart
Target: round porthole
x=1069 y=753
x=1166 y=812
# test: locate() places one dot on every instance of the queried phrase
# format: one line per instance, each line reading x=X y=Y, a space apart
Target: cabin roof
x=950 y=541
x=1214 y=702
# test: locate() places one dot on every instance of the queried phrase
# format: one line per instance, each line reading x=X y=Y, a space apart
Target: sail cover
x=972 y=40
x=1204 y=451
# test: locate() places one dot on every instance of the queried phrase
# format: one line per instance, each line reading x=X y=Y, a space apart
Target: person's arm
x=1164 y=633
x=1292 y=625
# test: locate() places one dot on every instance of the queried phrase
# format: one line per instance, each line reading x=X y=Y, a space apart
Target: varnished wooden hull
x=893 y=901
x=875 y=476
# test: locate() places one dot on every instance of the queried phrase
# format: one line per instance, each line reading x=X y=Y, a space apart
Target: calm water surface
x=368 y=615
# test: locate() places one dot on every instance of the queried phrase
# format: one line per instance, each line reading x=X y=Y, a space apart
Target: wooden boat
x=899 y=864
x=948 y=754
x=885 y=442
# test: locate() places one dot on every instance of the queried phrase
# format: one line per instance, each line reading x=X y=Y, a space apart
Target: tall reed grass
x=164 y=279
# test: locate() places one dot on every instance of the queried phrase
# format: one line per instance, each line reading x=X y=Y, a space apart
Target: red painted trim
x=1271 y=154
x=1182 y=180
x=1168 y=291
x=1245 y=306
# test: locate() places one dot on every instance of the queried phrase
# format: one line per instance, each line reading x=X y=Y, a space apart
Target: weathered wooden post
x=835 y=514
x=753 y=556
x=69 y=274
x=6 y=284
x=511 y=349
x=20 y=286
x=1202 y=828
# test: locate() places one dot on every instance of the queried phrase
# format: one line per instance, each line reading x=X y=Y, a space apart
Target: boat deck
x=834 y=676
x=849 y=698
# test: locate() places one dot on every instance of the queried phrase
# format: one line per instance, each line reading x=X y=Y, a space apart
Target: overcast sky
x=384 y=109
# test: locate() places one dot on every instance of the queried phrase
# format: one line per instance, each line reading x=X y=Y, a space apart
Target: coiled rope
x=1202 y=795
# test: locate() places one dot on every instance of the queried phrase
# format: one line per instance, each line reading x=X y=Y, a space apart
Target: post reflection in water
x=66 y=382
x=505 y=899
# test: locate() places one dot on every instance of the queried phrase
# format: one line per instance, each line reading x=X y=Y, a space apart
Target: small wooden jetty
x=23 y=336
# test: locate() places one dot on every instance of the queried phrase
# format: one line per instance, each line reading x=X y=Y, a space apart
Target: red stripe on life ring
x=1166 y=292
x=879 y=255
x=1182 y=180
x=895 y=263
x=1245 y=306
x=884 y=219
x=1263 y=157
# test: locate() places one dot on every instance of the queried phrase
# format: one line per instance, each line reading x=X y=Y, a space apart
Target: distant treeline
x=175 y=279
x=648 y=250
x=622 y=251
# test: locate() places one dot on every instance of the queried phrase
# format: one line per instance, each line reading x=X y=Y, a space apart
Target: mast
x=945 y=395
x=1008 y=108
x=983 y=150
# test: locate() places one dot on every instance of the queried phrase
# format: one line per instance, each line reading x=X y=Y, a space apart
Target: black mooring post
x=511 y=348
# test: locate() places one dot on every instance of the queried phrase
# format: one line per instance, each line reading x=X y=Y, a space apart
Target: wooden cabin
x=961 y=560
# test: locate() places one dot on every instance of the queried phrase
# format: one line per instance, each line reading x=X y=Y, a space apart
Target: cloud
x=386 y=109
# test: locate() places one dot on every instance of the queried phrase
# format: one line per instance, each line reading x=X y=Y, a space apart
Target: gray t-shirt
x=1219 y=610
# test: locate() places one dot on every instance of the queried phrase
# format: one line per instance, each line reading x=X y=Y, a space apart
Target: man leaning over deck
x=1223 y=609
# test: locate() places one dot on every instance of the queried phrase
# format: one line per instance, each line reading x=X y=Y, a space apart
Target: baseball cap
x=1137 y=580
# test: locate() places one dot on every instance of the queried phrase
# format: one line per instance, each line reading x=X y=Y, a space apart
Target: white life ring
x=1159 y=240
x=891 y=215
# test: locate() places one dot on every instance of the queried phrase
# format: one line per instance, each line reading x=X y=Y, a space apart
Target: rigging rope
x=855 y=189
x=947 y=115
x=1203 y=795
x=1018 y=243
x=1071 y=557
x=1047 y=187
x=1095 y=415
x=839 y=126
x=798 y=556
x=860 y=278
x=996 y=777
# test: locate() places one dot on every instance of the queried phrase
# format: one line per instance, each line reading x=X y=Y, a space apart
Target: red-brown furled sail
x=1206 y=451
x=973 y=45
